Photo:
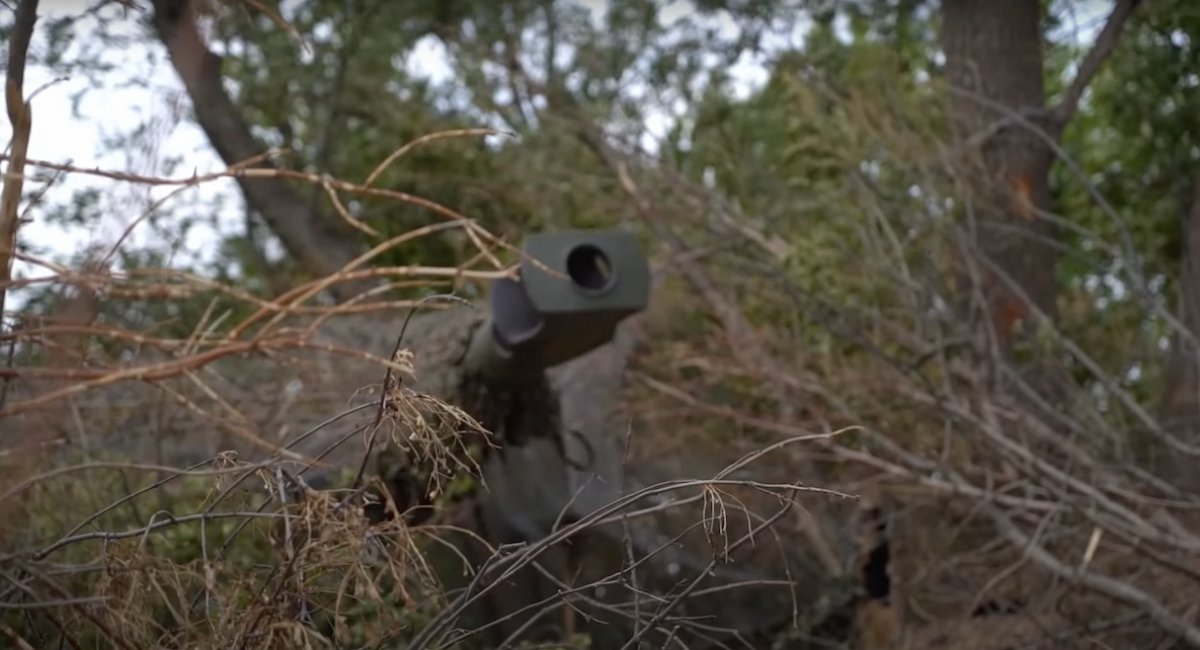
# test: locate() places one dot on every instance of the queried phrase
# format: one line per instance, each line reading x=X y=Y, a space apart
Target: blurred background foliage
x=801 y=150
x=813 y=123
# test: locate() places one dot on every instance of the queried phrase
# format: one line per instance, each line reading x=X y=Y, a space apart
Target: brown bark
x=994 y=66
x=1179 y=408
x=321 y=245
x=19 y=116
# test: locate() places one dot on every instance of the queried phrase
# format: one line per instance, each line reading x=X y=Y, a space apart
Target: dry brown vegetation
x=133 y=518
x=788 y=415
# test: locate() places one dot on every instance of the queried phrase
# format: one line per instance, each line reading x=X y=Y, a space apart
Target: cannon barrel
x=574 y=288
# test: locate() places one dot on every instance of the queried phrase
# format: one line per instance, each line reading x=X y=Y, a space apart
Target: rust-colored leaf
x=1021 y=185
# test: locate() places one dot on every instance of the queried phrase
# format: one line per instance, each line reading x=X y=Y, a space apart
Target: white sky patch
x=430 y=60
x=59 y=135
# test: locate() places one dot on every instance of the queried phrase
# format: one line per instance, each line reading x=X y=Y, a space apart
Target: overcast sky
x=61 y=135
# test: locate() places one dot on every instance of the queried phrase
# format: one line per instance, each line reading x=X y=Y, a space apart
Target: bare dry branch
x=1105 y=43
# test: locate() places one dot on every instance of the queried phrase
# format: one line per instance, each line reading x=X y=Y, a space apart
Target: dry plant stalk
x=20 y=116
x=240 y=549
x=1004 y=501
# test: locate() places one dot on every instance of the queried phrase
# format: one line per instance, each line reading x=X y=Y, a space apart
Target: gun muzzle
x=575 y=287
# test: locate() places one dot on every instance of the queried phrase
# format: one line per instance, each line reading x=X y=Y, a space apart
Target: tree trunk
x=321 y=245
x=994 y=67
x=1179 y=409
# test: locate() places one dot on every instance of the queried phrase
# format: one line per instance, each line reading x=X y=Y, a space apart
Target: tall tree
x=1165 y=174
x=996 y=70
x=321 y=244
x=1180 y=405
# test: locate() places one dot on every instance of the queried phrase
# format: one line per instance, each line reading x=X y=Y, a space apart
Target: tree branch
x=1105 y=43
x=316 y=242
x=19 y=115
x=1178 y=405
x=1122 y=592
x=22 y=33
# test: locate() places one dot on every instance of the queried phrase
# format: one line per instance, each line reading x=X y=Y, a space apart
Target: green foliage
x=807 y=159
x=1135 y=143
x=1136 y=137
